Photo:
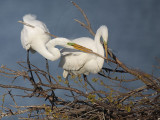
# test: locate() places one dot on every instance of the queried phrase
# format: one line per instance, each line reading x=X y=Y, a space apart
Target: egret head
x=103 y=32
x=29 y=17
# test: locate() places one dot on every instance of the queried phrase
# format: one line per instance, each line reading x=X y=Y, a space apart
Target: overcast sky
x=134 y=28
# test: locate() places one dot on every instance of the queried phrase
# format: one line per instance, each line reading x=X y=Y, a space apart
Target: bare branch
x=29 y=25
x=88 y=26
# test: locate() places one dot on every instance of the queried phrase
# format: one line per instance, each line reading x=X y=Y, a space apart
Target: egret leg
x=29 y=67
x=52 y=94
x=31 y=77
x=47 y=67
x=85 y=79
x=69 y=86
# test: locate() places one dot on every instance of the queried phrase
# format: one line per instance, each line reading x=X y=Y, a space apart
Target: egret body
x=77 y=62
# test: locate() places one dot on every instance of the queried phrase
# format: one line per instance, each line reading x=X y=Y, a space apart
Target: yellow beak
x=106 y=49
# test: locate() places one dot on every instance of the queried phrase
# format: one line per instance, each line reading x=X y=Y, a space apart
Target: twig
x=85 y=79
x=133 y=92
x=111 y=70
x=16 y=87
x=26 y=24
x=88 y=26
x=116 y=78
x=29 y=25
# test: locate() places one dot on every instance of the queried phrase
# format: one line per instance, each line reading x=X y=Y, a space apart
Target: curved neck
x=99 y=46
x=60 y=42
x=98 y=37
x=50 y=53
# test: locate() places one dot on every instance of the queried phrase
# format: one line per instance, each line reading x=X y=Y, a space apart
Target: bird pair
x=79 y=56
x=76 y=56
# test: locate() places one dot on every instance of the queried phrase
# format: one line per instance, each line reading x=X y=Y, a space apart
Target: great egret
x=78 y=62
x=34 y=39
x=74 y=61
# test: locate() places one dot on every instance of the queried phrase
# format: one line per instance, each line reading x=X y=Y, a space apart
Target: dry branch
x=29 y=25
x=144 y=77
x=114 y=104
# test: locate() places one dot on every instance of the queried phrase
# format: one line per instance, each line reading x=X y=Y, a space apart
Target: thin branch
x=16 y=87
x=116 y=79
x=111 y=70
x=88 y=26
x=129 y=94
x=29 y=25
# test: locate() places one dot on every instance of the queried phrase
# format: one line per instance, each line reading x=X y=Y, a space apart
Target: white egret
x=34 y=39
x=74 y=61
x=78 y=62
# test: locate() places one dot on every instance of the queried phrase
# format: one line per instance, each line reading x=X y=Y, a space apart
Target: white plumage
x=34 y=39
x=72 y=61
x=77 y=62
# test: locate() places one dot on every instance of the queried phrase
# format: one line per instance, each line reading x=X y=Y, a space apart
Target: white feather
x=77 y=62
x=34 y=38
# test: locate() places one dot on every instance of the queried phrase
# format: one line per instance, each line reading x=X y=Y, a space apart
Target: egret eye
x=101 y=40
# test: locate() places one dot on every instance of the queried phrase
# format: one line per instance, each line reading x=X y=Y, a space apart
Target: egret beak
x=79 y=47
x=106 y=49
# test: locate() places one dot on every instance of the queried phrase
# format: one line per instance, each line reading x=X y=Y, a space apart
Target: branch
x=111 y=70
x=129 y=94
x=88 y=26
x=16 y=87
x=32 y=26
x=144 y=77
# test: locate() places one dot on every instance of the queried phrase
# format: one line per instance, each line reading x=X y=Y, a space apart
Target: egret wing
x=72 y=59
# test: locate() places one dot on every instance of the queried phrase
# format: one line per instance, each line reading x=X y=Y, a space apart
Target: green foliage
x=59 y=78
x=55 y=114
x=95 y=79
x=110 y=96
x=91 y=97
